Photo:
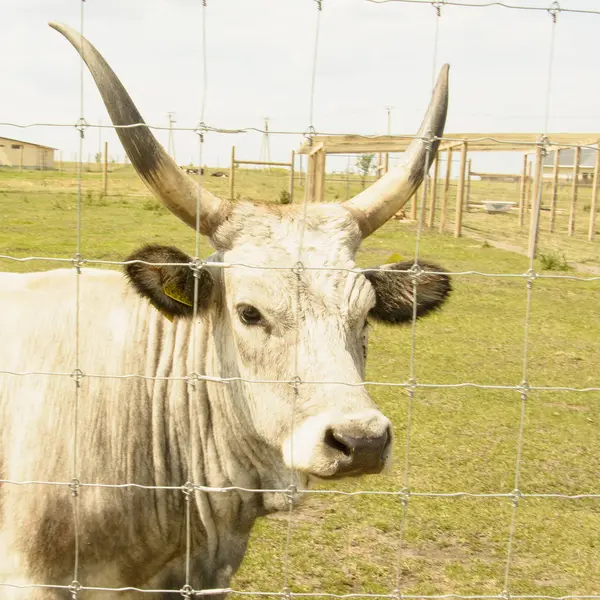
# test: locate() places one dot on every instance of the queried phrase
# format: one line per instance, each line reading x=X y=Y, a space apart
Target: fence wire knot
x=74 y=487
x=524 y=389
x=286 y=593
x=78 y=262
x=77 y=375
x=404 y=494
x=415 y=270
x=319 y=4
x=438 y=6
x=192 y=379
x=516 y=495
x=188 y=489
x=290 y=493
x=196 y=265
x=298 y=268
x=309 y=134
x=81 y=125
x=531 y=276
x=200 y=130
x=544 y=144
x=411 y=386
x=296 y=382
x=187 y=591
x=504 y=595
x=428 y=140
x=75 y=587
x=554 y=10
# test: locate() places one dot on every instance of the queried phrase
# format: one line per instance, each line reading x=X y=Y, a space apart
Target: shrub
x=554 y=261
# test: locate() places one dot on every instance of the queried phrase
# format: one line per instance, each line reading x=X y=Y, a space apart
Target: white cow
x=149 y=408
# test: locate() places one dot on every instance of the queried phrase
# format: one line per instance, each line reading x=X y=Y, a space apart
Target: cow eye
x=249 y=315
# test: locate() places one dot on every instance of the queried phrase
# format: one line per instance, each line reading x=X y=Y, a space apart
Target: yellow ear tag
x=171 y=291
x=394 y=258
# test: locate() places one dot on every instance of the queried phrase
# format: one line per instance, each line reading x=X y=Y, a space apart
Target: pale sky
x=259 y=56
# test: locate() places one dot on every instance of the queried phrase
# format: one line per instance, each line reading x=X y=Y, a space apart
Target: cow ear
x=170 y=288
x=394 y=291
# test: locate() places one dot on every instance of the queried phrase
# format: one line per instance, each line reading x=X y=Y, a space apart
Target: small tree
x=98 y=157
x=365 y=164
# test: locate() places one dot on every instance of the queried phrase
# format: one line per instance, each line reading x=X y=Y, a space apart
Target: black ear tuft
x=394 y=291
x=169 y=288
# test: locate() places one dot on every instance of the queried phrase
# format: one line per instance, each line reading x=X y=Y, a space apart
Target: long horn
x=377 y=204
x=157 y=169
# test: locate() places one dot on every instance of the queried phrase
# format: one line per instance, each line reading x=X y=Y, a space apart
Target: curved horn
x=157 y=169
x=377 y=204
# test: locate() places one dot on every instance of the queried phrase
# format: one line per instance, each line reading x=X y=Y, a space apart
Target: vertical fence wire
x=77 y=374
x=299 y=270
x=428 y=140
x=191 y=493
x=524 y=393
x=195 y=378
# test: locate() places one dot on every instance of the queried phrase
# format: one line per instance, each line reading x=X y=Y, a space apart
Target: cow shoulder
x=393 y=285
x=165 y=276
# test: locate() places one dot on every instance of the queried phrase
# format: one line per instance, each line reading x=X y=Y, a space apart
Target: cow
x=128 y=395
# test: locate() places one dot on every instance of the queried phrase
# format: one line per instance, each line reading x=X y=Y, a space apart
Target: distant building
x=566 y=161
x=17 y=153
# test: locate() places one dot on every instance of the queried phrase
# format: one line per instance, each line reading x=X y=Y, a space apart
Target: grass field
x=461 y=439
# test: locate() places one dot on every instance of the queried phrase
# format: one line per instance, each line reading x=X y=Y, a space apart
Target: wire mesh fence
x=515 y=402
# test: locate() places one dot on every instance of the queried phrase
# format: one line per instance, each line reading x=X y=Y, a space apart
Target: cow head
x=293 y=320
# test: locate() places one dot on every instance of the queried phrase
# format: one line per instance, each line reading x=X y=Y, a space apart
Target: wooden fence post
x=460 y=193
x=534 y=224
x=320 y=160
x=523 y=199
x=554 y=197
x=574 y=186
x=232 y=175
x=529 y=186
x=431 y=218
x=468 y=191
x=594 y=205
x=414 y=202
x=446 y=190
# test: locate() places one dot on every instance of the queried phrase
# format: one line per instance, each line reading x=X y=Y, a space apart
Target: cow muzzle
x=356 y=444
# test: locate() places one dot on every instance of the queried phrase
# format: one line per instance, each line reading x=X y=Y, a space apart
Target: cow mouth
x=347 y=473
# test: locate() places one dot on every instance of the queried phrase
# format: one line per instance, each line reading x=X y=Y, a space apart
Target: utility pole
x=386 y=164
x=265 y=148
x=171 y=145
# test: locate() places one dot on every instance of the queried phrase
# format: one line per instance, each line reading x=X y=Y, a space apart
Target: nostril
x=336 y=441
x=387 y=441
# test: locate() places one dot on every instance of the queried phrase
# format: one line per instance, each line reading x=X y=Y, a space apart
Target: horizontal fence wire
x=291 y=594
x=546 y=141
x=553 y=7
x=79 y=262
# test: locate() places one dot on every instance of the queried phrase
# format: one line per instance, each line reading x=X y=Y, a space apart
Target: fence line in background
x=412 y=386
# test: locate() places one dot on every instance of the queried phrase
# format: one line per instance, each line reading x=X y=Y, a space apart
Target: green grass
x=461 y=439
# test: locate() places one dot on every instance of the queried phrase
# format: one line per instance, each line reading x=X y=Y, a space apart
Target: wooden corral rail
x=503 y=177
x=235 y=162
x=478 y=142
x=319 y=146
